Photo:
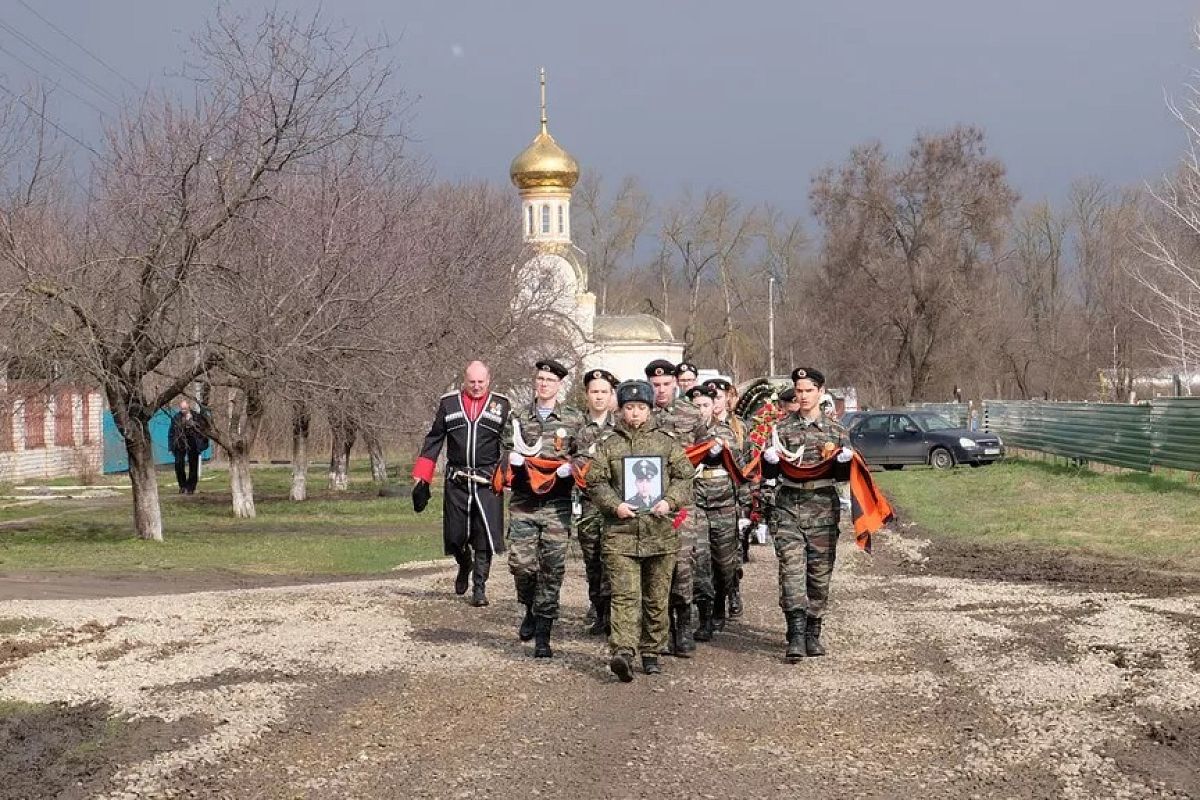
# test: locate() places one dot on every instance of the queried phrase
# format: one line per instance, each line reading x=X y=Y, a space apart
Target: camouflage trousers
x=806 y=534
x=590 y=530
x=682 y=578
x=641 y=589
x=537 y=554
x=718 y=552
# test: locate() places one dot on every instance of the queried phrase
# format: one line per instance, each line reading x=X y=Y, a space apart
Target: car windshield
x=934 y=422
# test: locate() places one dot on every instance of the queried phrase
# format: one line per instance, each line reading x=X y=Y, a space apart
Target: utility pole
x=771 y=325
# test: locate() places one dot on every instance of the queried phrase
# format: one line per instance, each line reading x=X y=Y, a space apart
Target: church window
x=561 y=223
x=545 y=218
x=529 y=224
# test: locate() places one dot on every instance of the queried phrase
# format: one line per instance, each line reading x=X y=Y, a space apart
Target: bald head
x=476 y=379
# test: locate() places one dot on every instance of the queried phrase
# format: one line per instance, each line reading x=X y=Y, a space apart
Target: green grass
x=1154 y=517
x=355 y=532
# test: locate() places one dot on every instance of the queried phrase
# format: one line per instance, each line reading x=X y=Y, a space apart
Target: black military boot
x=600 y=626
x=718 y=612
x=462 y=580
x=735 y=601
x=812 y=637
x=650 y=665
x=621 y=665
x=795 y=636
x=704 y=632
x=528 y=624
x=673 y=634
x=541 y=637
x=685 y=646
x=483 y=568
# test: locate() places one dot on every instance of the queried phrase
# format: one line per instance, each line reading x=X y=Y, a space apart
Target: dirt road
x=936 y=686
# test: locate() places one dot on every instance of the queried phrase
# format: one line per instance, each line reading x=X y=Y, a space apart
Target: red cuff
x=423 y=469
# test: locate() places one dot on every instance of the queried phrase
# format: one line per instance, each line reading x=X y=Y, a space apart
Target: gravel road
x=936 y=686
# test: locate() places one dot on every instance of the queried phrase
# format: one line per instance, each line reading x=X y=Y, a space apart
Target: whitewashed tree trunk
x=241 y=484
x=378 y=461
x=339 y=458
x=147 y=514
x=300 y=426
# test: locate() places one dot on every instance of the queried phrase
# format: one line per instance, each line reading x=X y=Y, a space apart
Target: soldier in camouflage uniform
x=678 y=418
x=600 y=384
x=539 y=525
x=806 y=515
x=723 y=413
x=639 y=548
x=718 y=560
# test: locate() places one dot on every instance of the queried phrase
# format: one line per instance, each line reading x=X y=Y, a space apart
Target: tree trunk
x=339 y=459
x=241 y=484
x=147 y=514
x=301 y=422
x=378 y=462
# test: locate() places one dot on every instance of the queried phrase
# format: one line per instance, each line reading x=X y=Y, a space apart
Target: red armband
x=423 y=469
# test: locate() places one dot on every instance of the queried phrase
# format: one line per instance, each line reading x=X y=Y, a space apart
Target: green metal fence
x=955 y=412
x=1164 y=433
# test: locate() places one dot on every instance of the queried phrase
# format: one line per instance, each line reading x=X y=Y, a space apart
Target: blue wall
x=116 y=459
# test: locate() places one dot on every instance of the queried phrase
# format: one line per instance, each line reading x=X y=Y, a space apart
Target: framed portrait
x=643 y=481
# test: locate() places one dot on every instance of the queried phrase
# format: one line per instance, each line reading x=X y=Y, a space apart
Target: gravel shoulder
x=941 y=682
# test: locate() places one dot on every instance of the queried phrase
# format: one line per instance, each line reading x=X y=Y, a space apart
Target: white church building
x=544 y=174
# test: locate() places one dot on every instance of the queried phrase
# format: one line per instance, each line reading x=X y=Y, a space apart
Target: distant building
x=544 y=174
x=49 y=433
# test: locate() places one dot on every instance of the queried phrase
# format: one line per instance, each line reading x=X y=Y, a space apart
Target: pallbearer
x=471 y=423
x=600 y=385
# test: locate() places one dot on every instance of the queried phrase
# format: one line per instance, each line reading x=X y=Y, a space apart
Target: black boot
x=483 y=568
x=650 y=665
x=462 y=580
x=718 y=613
x=621 y=665
x=735 y=601
x=686 y=644
x=673 y=634
x=541 y=637
x=795 y=636
x=528 y=624
x=601 y=625
x=812 y=637
x=704 y=632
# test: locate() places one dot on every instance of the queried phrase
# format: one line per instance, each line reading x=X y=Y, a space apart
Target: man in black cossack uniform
x=471 y=423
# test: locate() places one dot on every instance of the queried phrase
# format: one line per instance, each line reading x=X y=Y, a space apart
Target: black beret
x=550 y=365
x=659 y=367
x=703 y=389
x=813 y=375
x=644 y=469
x=635 y=392
x=600 y=374
x=720 y=383
x=787 y=395
x=686 y=367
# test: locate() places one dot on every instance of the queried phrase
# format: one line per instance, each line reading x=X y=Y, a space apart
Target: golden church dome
x=544 y=164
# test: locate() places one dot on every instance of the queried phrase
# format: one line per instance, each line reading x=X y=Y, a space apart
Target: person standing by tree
x=806 y=513
x=639 y=548
x=600 y=385
x=187 y=439
x=472 y=421
x=541 y=438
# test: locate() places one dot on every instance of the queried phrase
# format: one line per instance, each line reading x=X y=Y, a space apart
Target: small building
x=49 y=432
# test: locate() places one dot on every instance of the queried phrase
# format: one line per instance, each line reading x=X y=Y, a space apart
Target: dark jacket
x=188 y=435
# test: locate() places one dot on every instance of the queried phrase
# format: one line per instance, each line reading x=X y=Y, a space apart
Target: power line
x=71 y=39
x=47 y=78
x=79 y=76
x=49 y=121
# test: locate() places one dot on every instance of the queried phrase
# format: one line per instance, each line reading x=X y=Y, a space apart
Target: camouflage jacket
x=819 y=439
x=646 y=534
x=588 y=439
x=557 y=439
x=718 y=491
x=681 y=420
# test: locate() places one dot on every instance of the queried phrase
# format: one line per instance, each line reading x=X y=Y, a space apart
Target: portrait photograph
x=643 y=481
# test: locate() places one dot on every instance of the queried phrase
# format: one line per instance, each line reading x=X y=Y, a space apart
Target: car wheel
x=890 y=467
x=941 y=458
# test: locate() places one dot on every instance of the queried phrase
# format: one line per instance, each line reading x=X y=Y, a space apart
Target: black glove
x=420 y=496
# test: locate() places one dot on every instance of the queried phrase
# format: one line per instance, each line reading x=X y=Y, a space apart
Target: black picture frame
x=642 y=481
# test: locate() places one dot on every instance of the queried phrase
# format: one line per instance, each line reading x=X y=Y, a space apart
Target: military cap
x=659 y=367
x=600 y=374
x=552 y=366
x=719 y=383
x=635 y=392
x=787 y=395
x=644 y=469
x=685 y=366
x=702 y=390
x=814 y=375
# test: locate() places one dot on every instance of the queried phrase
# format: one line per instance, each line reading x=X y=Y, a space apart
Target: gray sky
x=754 y=97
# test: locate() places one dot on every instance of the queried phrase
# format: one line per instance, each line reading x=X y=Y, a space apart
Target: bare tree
x=608 y=230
